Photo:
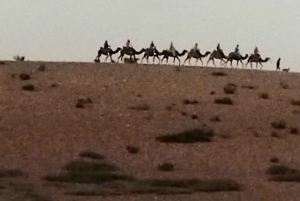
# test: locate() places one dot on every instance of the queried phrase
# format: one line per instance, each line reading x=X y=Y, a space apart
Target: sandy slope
x=42 y=130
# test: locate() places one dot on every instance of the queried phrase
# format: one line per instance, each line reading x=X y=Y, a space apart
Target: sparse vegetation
x=274 y=160
x=212 y=92
x=188 y=136
x=82 y=101
x=275 y=134
x=186 y=101
x=219 y=73
x=264 y=95
x=226 y=101
x=230 y=88
x=132 y=149
x=166 y=167
x=284 y=85
x=11 y=173
x=19 y=58
x=28 y=87
x=41 y=67
x=140 y=107
x=215 y=119
x=279 y=124
x=183 y=113
x=282 y=173
x=89 y=166
x=295 y=102
x=294 y=130
x=194 y=116
x=91 y=155
x=24 y=76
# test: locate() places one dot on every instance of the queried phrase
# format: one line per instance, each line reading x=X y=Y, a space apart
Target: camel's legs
x=242 y=64
x=213 y=60
x=201 y=62
x=178 y=60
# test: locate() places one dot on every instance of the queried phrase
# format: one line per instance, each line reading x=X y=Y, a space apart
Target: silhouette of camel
x=106 y=51
x=257 y=59
x=167 y=53
x=130 y=51
x=150 y=53
x=236 y=56
x=197 y=55
x=216 y=55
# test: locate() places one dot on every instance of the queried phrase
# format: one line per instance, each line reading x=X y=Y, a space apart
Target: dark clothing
x=278 y=64
x=106 y=45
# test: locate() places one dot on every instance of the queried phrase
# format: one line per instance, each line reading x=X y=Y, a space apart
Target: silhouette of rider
x=172 y=49
x=106 y=45
x=278 y=64
x=237 y=49
x=152 y=46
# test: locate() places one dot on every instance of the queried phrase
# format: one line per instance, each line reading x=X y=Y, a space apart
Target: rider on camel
x=256 y=52
x=196 y=49
x=128 y=44
x=106 y=45
x=237 y=49
x=172 y=49
x=152 y=47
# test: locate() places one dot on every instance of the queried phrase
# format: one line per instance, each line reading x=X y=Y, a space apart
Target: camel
x=130 y=51
x=167 y=53
x=216 y=55
x=106 y=51
x=236 y=56
x=286 y=70
x=150 y=53
x=257 y=59
x=197 y=55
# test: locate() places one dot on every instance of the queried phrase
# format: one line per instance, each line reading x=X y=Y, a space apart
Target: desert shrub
x=132 y=149
x=169 y=108
x=295 y=102
x=279 y=124
x=28 y=87
x=186 y=101
x=219 y=73
x=282 y=173
x=215 y=119
x=264 y=95
x=197 y=184
x=194 y=116
x=183 y=113
x=166 y=167
x=89 y=166
x=91 y=155
x=19 y=58
x=226 y=101
x=274 y=160
x=212 y=92
x=230 y=88
x=140 y=107
x=82 y=101
x=188 y=136
x=41 y=67
x=248 y=87
x=294 y=130
x=284 y=85
x=2 y=63
x=24 y=76
x=10 y=173
x=275 y=134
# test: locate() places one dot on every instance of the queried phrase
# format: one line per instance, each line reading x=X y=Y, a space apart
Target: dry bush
x=295 y=102
x=11 y=173
x=219 y=73
x=284 y=85
x=248 y=87
x=2 y=63
x=279 y=124
x=194 y=116
x=282 y=173
x=82 y=101
x=215 y=119
x=132 y=149
x=28 y=87
x=19 y=58
x=275 y=134
x=140 y=107
x=188 y=136
x=212 y=92
x=230 y=88
x=294 y=130
x=264 y=95
x=91 y=155
x=186 y=102
x=183 y=113
x=226 y=101
x=166 y=167
x=24 y=76
x=274 y=160
x=41 y=67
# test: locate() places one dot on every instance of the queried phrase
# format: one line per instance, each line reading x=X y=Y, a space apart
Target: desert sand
x=42 y=130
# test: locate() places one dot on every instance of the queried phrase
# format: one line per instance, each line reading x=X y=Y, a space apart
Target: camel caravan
x=194 y=53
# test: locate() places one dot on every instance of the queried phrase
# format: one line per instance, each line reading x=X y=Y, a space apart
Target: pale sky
x=73 y=30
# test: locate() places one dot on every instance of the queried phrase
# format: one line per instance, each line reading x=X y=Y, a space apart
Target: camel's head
x=268 y=58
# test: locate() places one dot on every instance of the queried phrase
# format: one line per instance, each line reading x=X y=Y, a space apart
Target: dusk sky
x=73 y=30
